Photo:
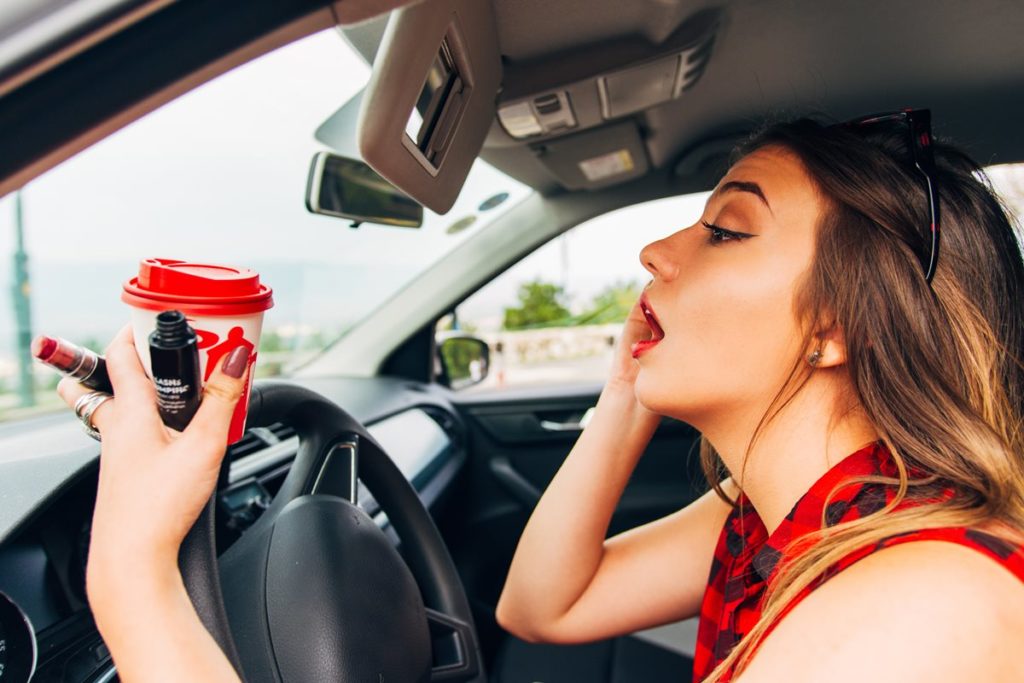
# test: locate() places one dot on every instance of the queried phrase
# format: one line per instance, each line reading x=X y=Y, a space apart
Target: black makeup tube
x=72 y=360
x=174 y=359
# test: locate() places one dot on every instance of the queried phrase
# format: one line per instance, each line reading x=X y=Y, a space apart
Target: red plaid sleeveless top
x=746 y=557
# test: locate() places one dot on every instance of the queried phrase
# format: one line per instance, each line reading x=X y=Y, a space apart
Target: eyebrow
x=745 y=186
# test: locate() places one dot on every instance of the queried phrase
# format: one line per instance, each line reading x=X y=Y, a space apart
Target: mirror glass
x=441 y=81
x=348 y=188
x=465 y=361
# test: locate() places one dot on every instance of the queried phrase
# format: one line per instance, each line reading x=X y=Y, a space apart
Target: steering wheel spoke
x=454 y=648
x=338 y=475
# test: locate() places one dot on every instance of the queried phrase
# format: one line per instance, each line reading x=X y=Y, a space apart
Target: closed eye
x=718 y=234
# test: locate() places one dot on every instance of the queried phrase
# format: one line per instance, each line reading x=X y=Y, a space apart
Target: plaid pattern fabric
x=746 y=558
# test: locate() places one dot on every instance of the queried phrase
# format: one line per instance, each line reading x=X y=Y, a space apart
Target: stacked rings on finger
x=86 y=405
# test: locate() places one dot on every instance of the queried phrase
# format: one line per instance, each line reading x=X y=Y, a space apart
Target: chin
x=662 y=395
x=654 y=395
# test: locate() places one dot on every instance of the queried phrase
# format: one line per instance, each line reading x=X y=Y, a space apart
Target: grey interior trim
x=365 y=37
x=339 y=130
x=412 y=439
x=41 y=456
x=30 y=45
x=515 y=483
x=679 y=637
x=615 y=153
x=358 y=11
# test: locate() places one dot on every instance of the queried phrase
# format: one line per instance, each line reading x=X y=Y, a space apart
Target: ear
x=830 y=348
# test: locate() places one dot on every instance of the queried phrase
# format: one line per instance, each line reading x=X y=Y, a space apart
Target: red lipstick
x=657 y=334
x=74 y=361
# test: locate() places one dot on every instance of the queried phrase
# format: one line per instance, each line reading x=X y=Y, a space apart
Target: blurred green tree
x=540 y=304
x=271 y=342
x=612 y=304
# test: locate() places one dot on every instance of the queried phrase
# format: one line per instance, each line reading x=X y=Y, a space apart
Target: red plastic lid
x=197 y=288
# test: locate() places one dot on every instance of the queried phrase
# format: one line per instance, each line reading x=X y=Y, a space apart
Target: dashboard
x=45 y=623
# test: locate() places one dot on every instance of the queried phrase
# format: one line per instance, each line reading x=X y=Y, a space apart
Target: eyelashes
x=718 y=234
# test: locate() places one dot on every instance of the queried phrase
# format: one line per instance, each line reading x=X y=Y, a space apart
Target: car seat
x=627 y=659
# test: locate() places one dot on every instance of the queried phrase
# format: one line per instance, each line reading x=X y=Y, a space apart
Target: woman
x=805 y=319
x=809 y=329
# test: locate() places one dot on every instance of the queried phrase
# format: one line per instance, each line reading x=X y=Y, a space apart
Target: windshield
x=216 y=176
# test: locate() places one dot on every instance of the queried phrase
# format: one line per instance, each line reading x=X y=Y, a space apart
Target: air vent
x=247 y=445
x=257 y=438
x=260 y=450
x=275 y=433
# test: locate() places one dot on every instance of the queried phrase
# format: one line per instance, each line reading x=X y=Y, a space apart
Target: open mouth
x=657 y=334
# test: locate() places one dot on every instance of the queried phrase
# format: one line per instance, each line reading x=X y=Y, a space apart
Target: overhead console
x=563 y=110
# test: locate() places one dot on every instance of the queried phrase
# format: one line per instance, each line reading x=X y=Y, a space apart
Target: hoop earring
x=814 y=357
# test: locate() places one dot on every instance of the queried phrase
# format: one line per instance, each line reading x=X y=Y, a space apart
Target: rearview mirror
x=348 y=188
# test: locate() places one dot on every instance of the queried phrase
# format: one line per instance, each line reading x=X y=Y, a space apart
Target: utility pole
x=22 y=311
x=563 y=244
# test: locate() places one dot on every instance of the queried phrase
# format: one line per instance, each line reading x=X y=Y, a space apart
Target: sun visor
x=431 y=98
x=597 y=158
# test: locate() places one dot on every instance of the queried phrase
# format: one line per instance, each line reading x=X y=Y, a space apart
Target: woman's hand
x=619 y=390
x=153 y=481
x=624 y=366
x=153 y=484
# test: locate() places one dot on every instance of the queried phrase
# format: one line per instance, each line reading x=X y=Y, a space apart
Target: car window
x=1008 y=182
x=216 y=176
x=555 y=317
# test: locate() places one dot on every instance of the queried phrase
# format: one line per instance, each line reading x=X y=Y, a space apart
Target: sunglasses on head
x=919 y=131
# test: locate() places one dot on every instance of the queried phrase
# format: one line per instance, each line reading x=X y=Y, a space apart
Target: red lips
x=657 y=334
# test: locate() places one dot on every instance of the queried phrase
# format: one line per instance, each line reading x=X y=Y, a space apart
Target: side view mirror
x=464 y=361
x=348 y=188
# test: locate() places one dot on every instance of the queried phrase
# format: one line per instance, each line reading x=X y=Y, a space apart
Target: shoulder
x=919 y=611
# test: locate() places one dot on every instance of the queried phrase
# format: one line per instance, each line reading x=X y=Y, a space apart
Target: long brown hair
x=936 y=369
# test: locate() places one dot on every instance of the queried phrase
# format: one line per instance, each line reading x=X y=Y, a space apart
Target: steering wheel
x=315 y=591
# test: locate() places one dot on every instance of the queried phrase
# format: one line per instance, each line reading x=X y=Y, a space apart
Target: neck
x=792 y=451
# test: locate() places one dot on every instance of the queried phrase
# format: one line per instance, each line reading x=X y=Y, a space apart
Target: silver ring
x=85 y=406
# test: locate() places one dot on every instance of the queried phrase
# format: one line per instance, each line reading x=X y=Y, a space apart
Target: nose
x=656 y=258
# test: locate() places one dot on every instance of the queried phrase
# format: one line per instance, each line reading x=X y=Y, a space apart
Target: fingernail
x=234 y=364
